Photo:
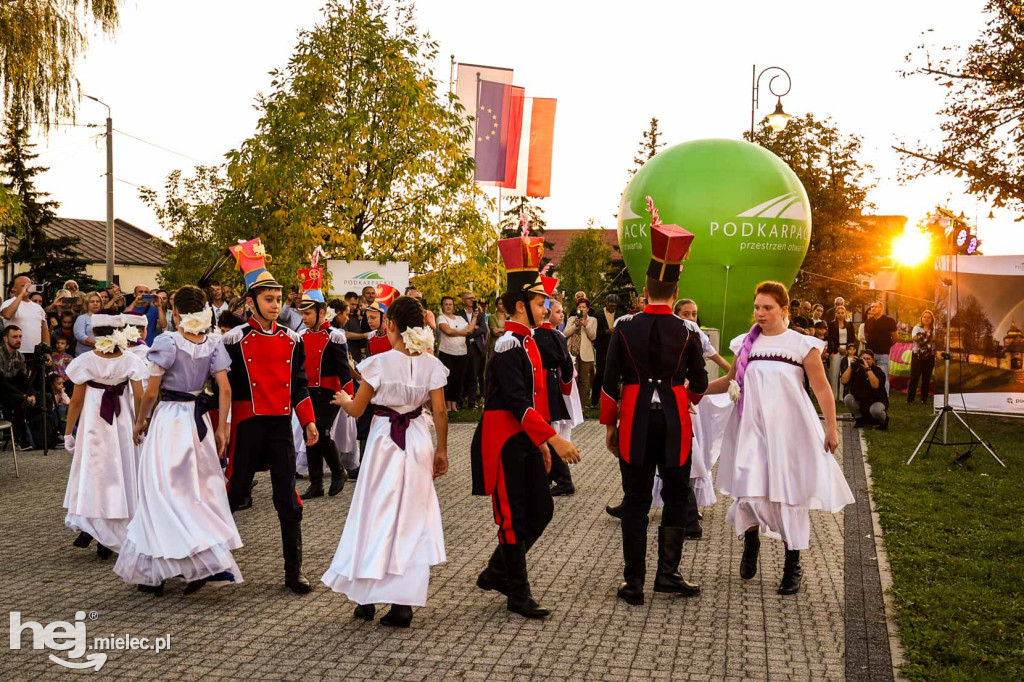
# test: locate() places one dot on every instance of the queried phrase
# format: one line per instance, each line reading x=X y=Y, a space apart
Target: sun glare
x=911 y=248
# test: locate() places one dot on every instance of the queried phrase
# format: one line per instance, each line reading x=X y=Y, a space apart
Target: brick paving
x=734 y=630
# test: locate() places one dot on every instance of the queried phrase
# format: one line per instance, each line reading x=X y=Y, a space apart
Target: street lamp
x=777 y=119
x=110 y=191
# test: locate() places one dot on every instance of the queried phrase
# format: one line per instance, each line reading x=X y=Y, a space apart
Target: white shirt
x=29 y=318
x=452 y=345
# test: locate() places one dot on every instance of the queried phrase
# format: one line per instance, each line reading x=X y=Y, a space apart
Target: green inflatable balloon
x=749 y=214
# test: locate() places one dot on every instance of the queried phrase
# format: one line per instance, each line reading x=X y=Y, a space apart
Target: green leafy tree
x=650 y=144
x=51 y=260
x=40 y=41
x=984 y=109
x=828 y=164
x=974 y=327
x=585 y=263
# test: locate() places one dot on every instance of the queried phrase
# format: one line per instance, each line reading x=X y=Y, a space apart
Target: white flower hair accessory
x=329 y=315
x=734 y=390
x=197 y=323
x=112 y=341
x=418 y=339
x=132 y=334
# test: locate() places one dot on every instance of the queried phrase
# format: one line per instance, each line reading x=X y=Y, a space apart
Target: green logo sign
x=369 y=274
x=748 y=212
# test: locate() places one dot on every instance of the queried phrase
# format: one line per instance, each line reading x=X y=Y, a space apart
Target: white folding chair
x=14 y=447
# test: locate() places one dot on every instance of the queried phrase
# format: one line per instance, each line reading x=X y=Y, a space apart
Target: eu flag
x=492 y=135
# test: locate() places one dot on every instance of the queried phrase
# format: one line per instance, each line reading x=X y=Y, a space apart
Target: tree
x=983 y=112
x=356 y=151
x=649 y=145
x=40 y=40
x=585 y=263
x=512 y=216
x=51 y=260
x=974 y=327
x=827 y=164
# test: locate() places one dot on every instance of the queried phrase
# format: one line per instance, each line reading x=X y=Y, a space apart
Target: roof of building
x=557 y=241
x=132 y=246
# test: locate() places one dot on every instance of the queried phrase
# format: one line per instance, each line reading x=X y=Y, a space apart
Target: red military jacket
x=650 y=353
x=267 y=373
x=515 y=408
x=326 y=353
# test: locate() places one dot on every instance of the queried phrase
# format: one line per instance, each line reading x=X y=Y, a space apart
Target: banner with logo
x=749 y=214
x=986 y=337
x=358 y=274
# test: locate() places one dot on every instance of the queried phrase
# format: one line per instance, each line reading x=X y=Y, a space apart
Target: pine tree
x=512 y=216
x=649 y=146
x=50 y=260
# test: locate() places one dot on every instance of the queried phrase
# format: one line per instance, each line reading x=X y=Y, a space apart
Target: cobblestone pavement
x=257 y=630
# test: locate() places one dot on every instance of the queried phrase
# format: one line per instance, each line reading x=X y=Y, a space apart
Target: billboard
x=986 y=337
x=355 y=275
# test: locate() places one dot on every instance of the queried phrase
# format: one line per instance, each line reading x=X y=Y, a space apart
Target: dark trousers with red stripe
x=522 y=498
x=262 y=442
x=638 y=480
x=325 y=449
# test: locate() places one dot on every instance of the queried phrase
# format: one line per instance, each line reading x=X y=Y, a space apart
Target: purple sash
x=110 y=403
x=399 y=422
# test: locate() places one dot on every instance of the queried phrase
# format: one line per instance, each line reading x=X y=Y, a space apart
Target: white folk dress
x=774 y=464
x=393 y=532
x=183 y=524
x=101 y=495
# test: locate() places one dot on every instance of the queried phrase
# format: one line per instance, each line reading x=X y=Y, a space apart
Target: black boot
x=615 y=511
x=155 y=590
x=338 y=480
x=493 y=577
x=82 y=540
x=694 y=531
x=103 y=552
x=314 y=490
x=519 y=598
x=291 y=541
x=751 y=547
x=670 y=551
x=398 y=616
x=365 y=611
x=634 y=551
x=791 y=573
x=194 y=586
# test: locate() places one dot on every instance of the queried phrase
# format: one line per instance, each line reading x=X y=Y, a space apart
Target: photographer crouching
x=865 y=382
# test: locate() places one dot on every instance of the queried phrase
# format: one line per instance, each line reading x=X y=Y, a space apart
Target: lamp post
x=110 y=191
x=777 y=119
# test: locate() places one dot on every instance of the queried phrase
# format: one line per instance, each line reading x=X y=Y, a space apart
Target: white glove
x=734 y=390
x=69 y=443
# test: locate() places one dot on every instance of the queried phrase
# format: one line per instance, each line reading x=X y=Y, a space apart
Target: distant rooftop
x=132 y=246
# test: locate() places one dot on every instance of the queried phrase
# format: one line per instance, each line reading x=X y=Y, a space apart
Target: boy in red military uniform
x=510 y=452
x=327 y=372
x=268 y=382
x=659 y=364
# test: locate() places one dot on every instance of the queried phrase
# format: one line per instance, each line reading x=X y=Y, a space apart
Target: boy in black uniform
x=554 y=355
x=268 y=381
x=327 y=373
x=658 y=362
x=510 y=453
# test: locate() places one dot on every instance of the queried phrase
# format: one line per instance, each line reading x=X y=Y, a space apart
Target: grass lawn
x=955 y=536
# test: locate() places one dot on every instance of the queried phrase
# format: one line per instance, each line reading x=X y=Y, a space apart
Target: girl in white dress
x=776 y=460
x=101 y=493
x=183 y=524
x=393 y=531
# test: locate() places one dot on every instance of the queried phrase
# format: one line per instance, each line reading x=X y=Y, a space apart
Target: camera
x=148 y=298
x=42 y=348
x=579 y=313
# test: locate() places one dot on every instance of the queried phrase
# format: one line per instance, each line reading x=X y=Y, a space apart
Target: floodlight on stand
x=778 y=118
x=972 y=246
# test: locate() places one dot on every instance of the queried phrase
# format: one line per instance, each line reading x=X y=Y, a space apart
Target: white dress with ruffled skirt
x=183 y=525
x=393 y=532
x=101 y=492
x=774 y=464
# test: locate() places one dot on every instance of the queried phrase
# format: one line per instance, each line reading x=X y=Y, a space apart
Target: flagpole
x=497 y=274
x=451 y=82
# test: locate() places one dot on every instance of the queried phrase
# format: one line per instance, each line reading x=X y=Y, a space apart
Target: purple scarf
x=110 y=403
x=399 y=422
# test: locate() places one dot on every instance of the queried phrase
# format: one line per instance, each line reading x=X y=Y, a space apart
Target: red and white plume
x=655 y=218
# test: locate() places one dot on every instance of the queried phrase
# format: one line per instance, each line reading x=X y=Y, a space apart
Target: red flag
x=542 y=137
x=514 y=130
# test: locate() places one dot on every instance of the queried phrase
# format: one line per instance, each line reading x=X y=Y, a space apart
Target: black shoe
x=520 y=600
x=615 y=511
x=859 y=423
x=398 y=616
x=670 y=551
x=312 y=491
x=751 y=548
x=884 y=425
x=634 y=554
x=365 y=611
x=493 y=576
x=103 y=552
x=297 y=583
x=246 y=504
x=299 y=476
x=791 y=573
x=155 y=590
x=83 y=540
x=291 y=545
x=194 y=586
x=353 y=474
x=560 y=489
x=24 y=445
x=694 y=532
x=337 y=483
